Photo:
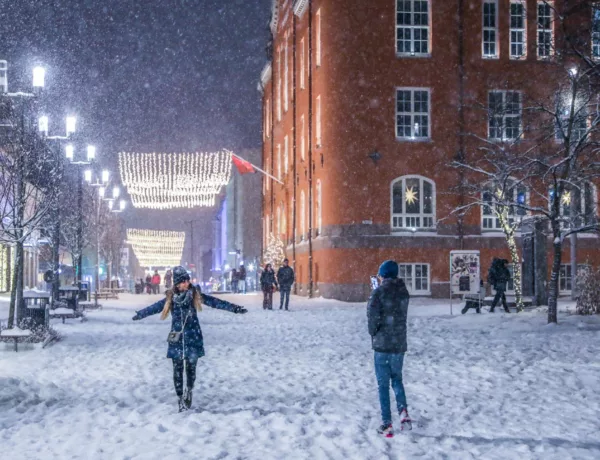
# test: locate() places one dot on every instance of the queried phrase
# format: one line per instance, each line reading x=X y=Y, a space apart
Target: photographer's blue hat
x=388 y=269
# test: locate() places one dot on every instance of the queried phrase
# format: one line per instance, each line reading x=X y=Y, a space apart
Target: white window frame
x=302 y=215
x=515 y=32
x=567 y=278
x=505 y=116
x=302 y=59
x=319 y=207
x=595 y=31
x=491 y=222
x=490 y=30
x=279 y=84
x=318 y=132
x=279 y=161
x=286 y=70
x=286 y=150
x=319 y=20
x=583 y=202
x=412 y=28
x=542 y=30
x=411 y=282
x=302 y=136
x=416 y=129
x=404 y=221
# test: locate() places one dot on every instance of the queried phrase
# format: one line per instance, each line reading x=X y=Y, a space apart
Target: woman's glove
x=239 y=309
x=137 y=317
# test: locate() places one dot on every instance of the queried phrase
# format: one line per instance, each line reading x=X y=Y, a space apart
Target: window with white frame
x=578 y=122
x=302 y=63
x=491 y=208
x=518 y=32
x=319 y=208
x=545 y=29
x=490 y=29
x=283 y=223
x=565 y=278
x=286 y=149
x=585 y=196
x=302 y=215
x=318 y=47
x=302 y=136
x=505 y=117
x=279 y=85
x=318 y=122
x=412 y=113
x=279 y=162
x=596 y=30
x=416 y=278
x=413 y=203
x=286 y=75
x=412 y=27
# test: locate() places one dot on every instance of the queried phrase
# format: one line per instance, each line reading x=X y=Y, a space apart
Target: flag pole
x=257 y=168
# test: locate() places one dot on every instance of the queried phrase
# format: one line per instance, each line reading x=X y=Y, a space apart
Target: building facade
x=366 y=104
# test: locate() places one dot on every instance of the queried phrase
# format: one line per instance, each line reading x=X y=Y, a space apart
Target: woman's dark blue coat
x=191 y=345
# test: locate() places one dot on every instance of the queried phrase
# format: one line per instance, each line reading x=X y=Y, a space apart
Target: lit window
x=413 y=203
x=544 y=30
x=586 y=197
x=318 y=48
x=491 y=209
x=286 y=148
x=302 y=64
x=412 y=113
x=576 y=121
x=505 y=117
x=318 y=122
x=302 y=134
x=518 y=33
x=412 y=27
x=416 y=278
x=490 y=28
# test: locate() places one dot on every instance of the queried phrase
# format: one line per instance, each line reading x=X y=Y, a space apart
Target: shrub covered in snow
x=588 y=302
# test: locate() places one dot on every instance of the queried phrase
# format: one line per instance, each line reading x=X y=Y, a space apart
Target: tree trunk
x=553 y=291
x=517 y=276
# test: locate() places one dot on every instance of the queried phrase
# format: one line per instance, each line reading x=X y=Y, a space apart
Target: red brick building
x=362 y=115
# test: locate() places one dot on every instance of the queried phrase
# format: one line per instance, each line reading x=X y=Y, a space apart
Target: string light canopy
x=156 y=248
x=174 y=180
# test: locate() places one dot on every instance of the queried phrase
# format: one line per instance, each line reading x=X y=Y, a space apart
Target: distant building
x=361 y=116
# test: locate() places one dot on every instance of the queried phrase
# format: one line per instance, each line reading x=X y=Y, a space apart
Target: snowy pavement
x=300 y=385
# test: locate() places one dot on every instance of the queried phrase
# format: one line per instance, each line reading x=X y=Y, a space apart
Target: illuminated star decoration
x=155 y=248
x=411 y=195
x=566 y=199
x=174 y=180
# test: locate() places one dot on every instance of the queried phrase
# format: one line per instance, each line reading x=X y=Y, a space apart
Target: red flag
x=243 y=166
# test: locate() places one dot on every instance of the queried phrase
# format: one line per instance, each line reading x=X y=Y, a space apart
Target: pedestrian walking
x=242 y=279
x=386 y=312
x=268 y=284
x=498 y=277
x=285 y=279
x=169 y=279
x=155 y=282
x=186 y=344
x=149 y=283
x=235 y=279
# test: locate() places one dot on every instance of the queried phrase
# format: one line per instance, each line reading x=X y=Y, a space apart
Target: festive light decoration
x=155 y=248
x=411 y=195
x=274 y=252
x=168 y=181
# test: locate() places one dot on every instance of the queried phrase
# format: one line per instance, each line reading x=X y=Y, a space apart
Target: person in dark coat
x=149 y=283
x=235 y=279
x=387 y=312
x=169 y=279
x=285 y=278
x=498 y=277
x=268 y=284
x=242 y=279
x=184 y=302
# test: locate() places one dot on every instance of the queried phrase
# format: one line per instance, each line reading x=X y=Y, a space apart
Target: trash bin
x=37 y=316
x=84 y=292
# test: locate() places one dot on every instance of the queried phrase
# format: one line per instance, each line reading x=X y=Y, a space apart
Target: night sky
x=143 y=75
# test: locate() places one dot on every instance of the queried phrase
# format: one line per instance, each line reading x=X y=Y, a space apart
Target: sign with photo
x=465 y=272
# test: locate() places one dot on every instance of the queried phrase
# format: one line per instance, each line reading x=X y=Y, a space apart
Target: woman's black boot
x=187 y=398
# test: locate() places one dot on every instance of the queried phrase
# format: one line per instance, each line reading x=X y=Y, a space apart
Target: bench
x=64 y=313
x=16 y=334
x=106 y=295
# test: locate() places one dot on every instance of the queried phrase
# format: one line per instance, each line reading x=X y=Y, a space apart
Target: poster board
x=465 y=272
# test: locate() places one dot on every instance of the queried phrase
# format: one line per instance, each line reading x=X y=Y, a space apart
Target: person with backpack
x=498 y=277
x=186 y=344
x=268 y=284
x=387 y=321
x=285 y=278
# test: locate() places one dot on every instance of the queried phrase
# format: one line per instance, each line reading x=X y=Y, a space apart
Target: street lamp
x=91 y=153
x=39 y=77
x=70 y=152
x=71 y=123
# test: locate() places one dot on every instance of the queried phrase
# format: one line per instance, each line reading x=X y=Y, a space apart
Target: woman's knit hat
x=180 y=275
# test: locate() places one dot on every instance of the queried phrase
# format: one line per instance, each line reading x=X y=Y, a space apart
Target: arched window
x=302 y=215
x=319 y=208
x=490 y=210
x=585 y=195
x=413 y=203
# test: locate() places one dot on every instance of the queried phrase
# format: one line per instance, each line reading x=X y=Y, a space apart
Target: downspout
x=460 y=157
x=310 y=161
x=294 y=173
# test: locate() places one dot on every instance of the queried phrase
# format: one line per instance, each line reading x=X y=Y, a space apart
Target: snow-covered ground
x=300 y=385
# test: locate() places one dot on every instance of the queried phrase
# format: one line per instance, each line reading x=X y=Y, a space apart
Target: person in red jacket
x=155 y=282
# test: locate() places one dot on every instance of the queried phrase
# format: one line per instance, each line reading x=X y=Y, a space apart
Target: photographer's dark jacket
x=387 y=311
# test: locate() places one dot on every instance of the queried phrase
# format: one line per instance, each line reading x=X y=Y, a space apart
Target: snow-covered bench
x=63 y=313
x=16 y=334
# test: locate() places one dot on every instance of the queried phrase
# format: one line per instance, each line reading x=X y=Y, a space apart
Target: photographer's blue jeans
x=388 y=367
